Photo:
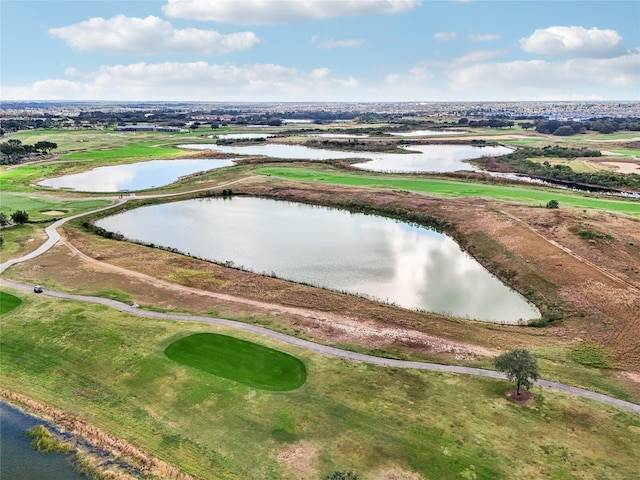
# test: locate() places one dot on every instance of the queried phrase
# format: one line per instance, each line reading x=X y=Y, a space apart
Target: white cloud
x=478 y=56
x=445 y=36
x=148 y=36
x=535 y=77
x=331 y=43
x=416 y=75
x=170 y=81
x=487 y=37
x=577 y=41
x=252 y=12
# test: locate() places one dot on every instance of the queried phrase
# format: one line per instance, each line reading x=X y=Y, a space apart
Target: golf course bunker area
x=245 y=362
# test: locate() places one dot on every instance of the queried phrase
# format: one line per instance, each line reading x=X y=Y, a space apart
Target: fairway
x=40 y=208
x=8 y=302
x=244 y=362
x=452 y=188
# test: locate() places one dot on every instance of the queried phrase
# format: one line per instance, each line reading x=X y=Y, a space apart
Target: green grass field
x=110 y=369
x=627 y=151
x=69 y=141
x=139 y=150
x=451 y=188
x=35 y=206
x=8 y=302
x=244 y=362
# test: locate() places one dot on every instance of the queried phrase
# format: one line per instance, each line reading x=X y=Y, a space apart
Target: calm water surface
x=18 y=461
x=420 y=158
x=387 y=260
x=243 y=136
x=424 y=133
x=133 y=176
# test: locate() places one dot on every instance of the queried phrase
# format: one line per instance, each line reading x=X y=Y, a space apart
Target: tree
x=564 y=131
x=553 y=204
x=520 y=366
x=20 y=216
x=3 y=219
x=45 y=147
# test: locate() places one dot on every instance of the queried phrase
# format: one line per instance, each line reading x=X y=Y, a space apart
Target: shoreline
x=108 y=455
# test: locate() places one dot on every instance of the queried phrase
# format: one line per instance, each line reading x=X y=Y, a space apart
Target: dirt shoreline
x=112 y=457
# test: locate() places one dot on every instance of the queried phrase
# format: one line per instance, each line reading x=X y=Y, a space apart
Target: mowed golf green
x=8 y=302
x=244 y=362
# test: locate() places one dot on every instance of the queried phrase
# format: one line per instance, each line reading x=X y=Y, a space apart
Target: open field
x=580 y=264
x=451 y=188
x=381 y=423
x=44 y=208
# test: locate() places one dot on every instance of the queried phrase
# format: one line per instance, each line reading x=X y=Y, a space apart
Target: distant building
x=146 y=128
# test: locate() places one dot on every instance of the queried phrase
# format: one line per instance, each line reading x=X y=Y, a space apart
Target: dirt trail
x=342 y=328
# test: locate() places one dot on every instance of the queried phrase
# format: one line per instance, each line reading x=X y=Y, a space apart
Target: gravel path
x=54 y=237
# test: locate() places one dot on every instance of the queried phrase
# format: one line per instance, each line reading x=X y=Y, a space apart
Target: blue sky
x=319 y=50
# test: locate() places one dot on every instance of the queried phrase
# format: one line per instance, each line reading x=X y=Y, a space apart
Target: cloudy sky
x=319 y=50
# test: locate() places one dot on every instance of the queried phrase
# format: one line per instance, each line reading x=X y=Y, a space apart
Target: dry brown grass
x=511 y=240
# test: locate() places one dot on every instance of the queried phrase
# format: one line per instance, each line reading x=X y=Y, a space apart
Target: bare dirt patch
x=53 y=213
x=523 y=398
x=301 y=459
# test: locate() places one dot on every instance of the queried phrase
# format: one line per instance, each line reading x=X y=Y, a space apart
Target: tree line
x=14 y=151
x=600 y=125
x=519 y=162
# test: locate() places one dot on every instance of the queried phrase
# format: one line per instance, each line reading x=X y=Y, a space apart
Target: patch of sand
x=53 y=212
x=624 y=167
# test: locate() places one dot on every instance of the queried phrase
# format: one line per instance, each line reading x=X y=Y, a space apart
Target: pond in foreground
x=133 y=176
x=18 y=460
x=377 y=257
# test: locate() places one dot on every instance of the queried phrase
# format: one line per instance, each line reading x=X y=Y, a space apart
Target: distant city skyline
x=320 y=50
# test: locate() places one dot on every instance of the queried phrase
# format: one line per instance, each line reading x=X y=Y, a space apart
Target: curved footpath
x=54 y=236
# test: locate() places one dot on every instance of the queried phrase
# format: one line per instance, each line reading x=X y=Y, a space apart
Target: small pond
x=419 y=158
x=133 y=176
x=380 y=258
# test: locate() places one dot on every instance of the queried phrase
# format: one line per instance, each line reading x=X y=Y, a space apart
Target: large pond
x=133 y=176
x=18 y=460
x=419 y=158
x=391 y=261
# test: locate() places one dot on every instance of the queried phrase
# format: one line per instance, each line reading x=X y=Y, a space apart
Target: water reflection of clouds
x=101 y=179
x=133 y=176
x=396 y=262
x=426 y=158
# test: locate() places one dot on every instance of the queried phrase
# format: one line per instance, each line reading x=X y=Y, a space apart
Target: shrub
x=553 y=204
x=43 y=441
x=342 y=475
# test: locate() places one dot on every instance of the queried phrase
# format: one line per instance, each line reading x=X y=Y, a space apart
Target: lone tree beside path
x=519 y=366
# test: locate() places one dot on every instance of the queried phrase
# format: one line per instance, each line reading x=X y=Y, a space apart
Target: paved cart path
x=54 y=237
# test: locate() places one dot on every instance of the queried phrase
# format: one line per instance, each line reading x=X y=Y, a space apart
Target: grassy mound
x=244 y=362
x=8 y=302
